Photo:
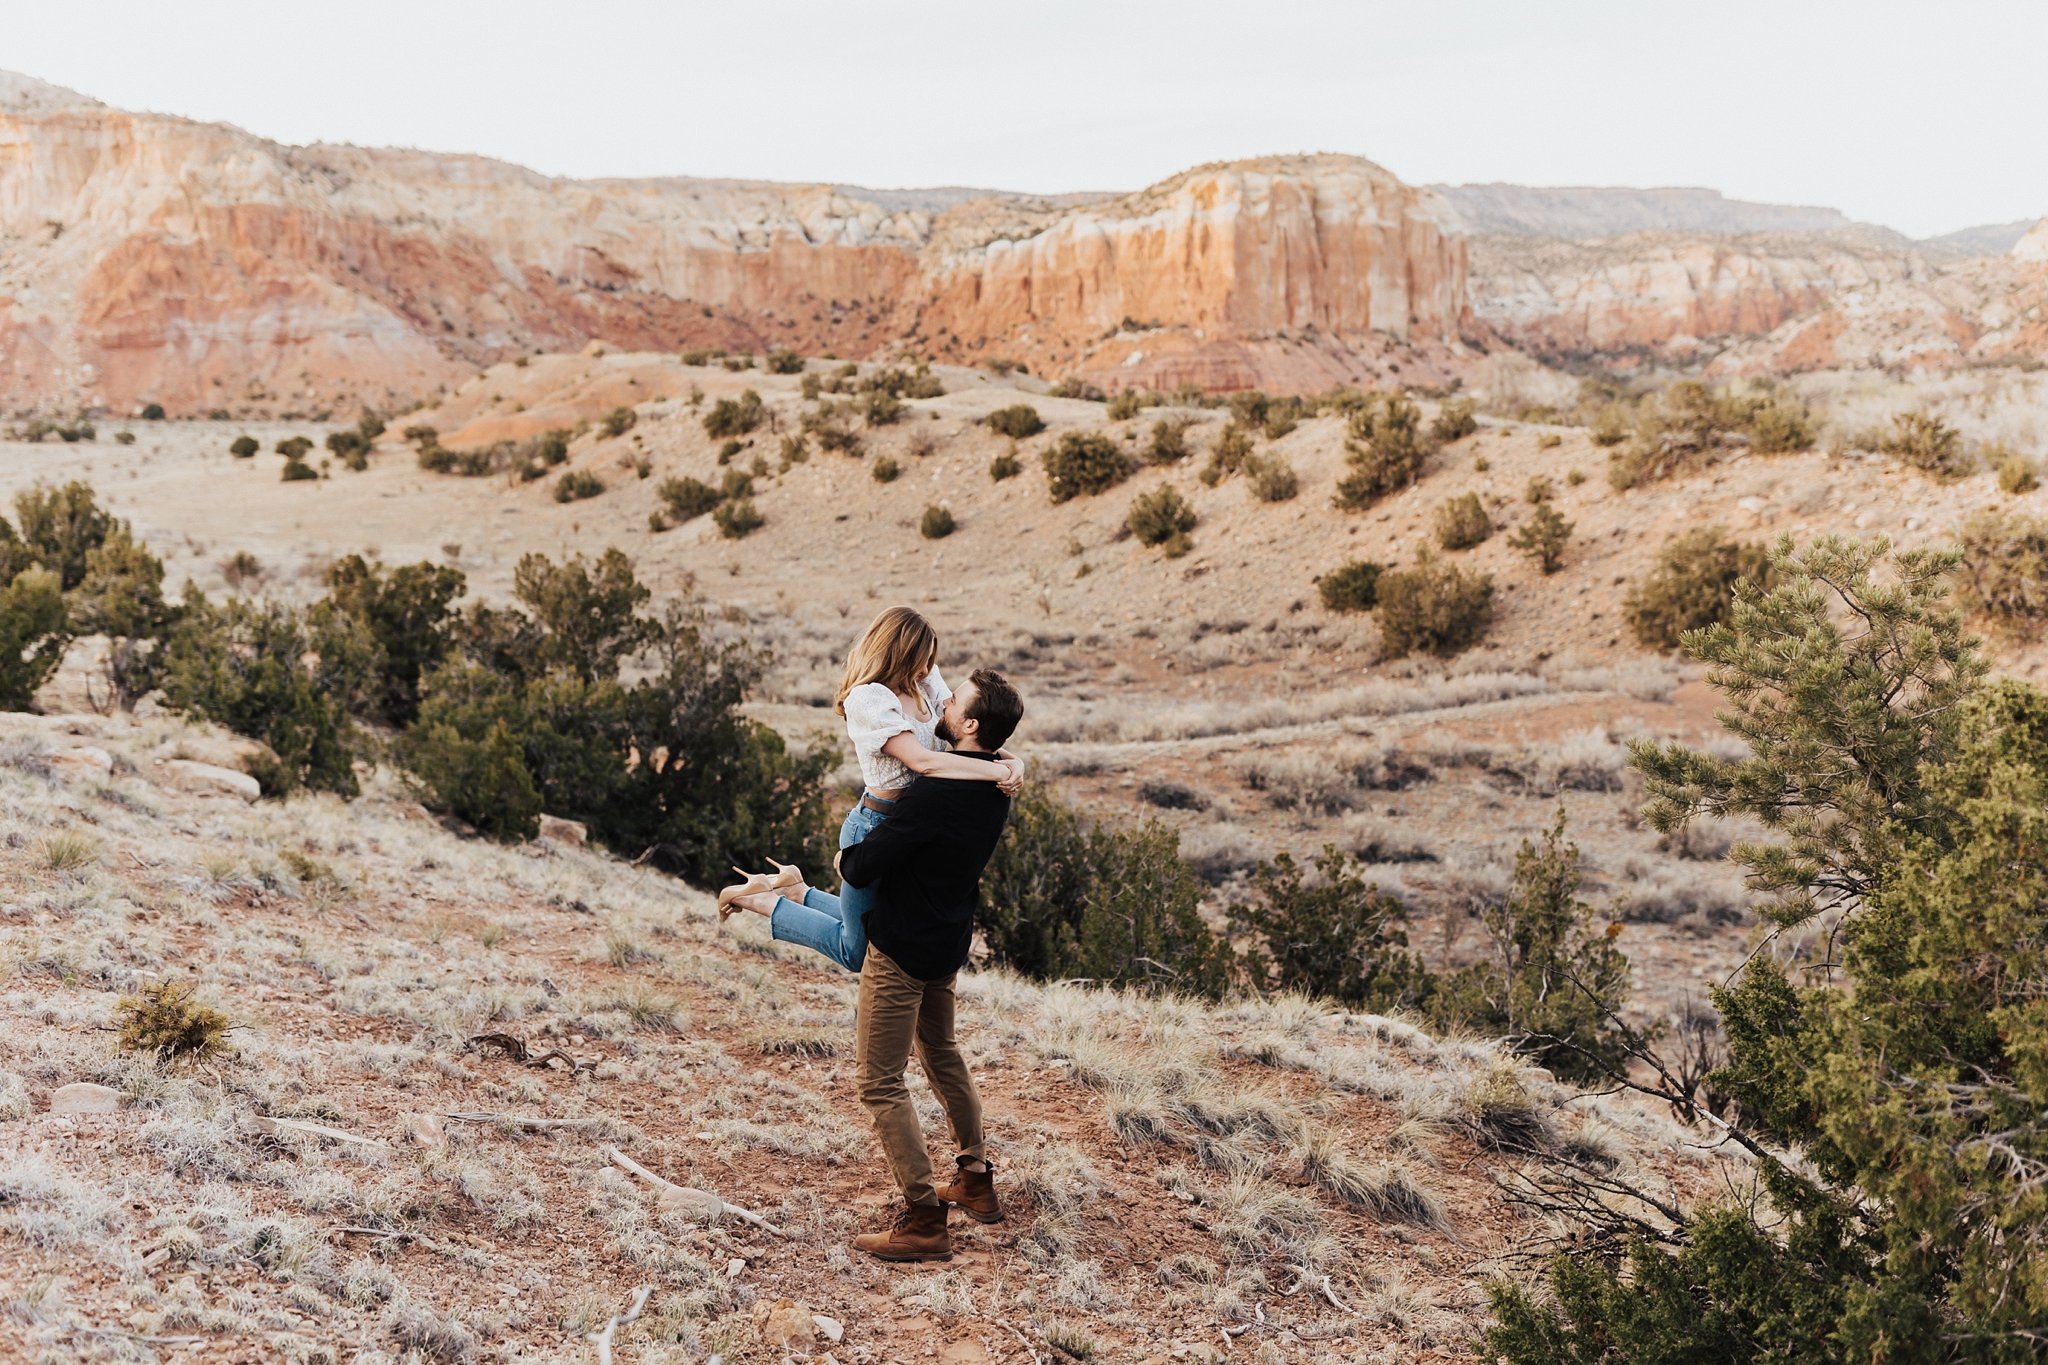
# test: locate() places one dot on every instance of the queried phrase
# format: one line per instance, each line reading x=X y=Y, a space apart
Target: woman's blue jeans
x=834 y=925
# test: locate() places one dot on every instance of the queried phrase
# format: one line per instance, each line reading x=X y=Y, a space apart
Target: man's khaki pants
x=897 y=1011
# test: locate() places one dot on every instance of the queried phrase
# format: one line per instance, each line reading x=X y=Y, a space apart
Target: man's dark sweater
x=925 y=863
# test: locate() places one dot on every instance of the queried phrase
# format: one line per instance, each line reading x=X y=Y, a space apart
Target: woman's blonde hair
x=898 y=648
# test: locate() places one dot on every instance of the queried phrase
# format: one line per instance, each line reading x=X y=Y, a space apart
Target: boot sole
x=904 y=1256
x=978 y=1216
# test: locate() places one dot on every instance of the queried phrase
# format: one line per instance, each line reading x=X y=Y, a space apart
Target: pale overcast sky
x=1923 y=117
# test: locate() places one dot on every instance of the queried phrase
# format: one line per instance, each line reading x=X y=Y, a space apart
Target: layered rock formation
x=149 y=258
x=1679 y=276
x=1984 y=310
x=1290 y=272
x=1667 y=294
x=2032 y=247
x=1589 y=211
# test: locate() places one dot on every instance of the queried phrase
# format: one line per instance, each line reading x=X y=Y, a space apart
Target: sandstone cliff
x=151 y=258
x=1667 y=294
x=1293 y=272
x=1980 y=311
x=1680 y=276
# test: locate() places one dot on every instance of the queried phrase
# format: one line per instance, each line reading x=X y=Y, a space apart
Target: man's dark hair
x=996 y=707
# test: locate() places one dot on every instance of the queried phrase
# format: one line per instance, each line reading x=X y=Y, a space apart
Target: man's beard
x=945 y=732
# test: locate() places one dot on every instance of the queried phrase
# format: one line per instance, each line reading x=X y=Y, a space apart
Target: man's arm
x=914 y=823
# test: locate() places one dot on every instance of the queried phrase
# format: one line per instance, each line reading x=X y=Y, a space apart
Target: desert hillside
x=369 y=1172
x=836 y=538
x=1215 y=690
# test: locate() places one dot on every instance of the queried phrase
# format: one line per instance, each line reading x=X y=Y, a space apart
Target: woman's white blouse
x=875 y=715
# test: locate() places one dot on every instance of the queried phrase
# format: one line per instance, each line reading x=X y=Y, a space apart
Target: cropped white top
x=875 y=715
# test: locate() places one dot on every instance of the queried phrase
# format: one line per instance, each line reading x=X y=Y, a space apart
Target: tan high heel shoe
x=784 y=878
x=787 y=876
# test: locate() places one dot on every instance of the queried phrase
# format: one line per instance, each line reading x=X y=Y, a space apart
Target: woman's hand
x=1014 y=783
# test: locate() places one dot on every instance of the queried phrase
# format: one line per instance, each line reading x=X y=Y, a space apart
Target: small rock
x=695 y=1203
x=232 y=752
x=734 y=1267
x=84 y=759
x=424 y=1130
x=84 y=1097
x=556 y=830
x=186 y=775
x=784 y=1323
x=832 y=1329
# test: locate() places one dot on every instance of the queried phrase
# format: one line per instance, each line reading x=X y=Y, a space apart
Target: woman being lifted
x=892 y=697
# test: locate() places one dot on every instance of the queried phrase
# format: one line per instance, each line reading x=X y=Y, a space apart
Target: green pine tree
x=1843 y=682
x=1908 y=1069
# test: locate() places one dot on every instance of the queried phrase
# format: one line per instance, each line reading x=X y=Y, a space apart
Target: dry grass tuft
x=1387 y=1190
x=1329 y=779
x=420 y=1327
x=1499 y=1113
x=1069 y=1338
x=14 y=1098
x=1061 y=1184
x=67 y=851
x=166 y=1019
x=1139 y=1115
x=944 y=1293
x=623 y=947
x=1259 y=1218
x=48 y=1208
x=651 y=1009
x=26 y=754
x=794 y=1042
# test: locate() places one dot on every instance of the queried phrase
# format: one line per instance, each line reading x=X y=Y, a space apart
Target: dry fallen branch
x=696 y=1201
x=518 y=1051
x=389 y=1234
x=136 y=1336
x=524 y=1120
x=604 y=1338
x=1036 y=1358
x=271 y=1126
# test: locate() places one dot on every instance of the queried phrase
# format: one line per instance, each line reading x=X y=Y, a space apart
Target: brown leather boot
x=974 y=1194
x=919 y=1234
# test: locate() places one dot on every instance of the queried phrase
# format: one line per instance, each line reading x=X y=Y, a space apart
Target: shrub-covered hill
x=361 y=1167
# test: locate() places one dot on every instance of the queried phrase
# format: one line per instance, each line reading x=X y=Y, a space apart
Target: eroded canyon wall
x=150 y=258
